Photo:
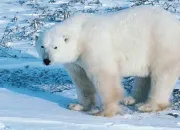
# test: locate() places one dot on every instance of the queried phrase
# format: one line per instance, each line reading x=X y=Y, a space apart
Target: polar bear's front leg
x=110 y=91
x=85 y=90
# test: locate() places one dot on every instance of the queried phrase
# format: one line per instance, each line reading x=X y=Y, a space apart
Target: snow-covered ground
x=35 y=97
x=22 y=109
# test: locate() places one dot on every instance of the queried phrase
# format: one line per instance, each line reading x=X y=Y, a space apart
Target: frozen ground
x=22 y=109
x=34 y=97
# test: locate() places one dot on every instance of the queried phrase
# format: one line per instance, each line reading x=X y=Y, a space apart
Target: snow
x=35 y=97
x=24 y=109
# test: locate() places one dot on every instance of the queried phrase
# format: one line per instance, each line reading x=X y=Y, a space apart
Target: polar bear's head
x=58 y=45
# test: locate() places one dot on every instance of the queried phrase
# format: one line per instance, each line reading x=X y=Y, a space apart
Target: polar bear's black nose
x=46 y=61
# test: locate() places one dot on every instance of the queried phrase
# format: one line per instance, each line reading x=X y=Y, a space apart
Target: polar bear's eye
x=66 y=39
x=55 y=47
x=42 y=46
x=36 y=38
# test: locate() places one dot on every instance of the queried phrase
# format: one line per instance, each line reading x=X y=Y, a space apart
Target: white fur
x=140 y=41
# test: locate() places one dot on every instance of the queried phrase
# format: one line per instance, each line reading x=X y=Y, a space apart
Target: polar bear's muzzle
x=46 y=61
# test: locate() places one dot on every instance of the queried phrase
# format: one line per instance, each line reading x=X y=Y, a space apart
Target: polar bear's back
x=143 y=34
x=135 y=20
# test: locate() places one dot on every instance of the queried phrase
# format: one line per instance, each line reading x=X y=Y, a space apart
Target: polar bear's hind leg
x=161 y=89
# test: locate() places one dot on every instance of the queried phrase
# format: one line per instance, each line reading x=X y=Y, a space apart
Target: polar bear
x=99 y=50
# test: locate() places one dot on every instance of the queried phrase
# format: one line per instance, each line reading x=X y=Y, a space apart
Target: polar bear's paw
x=151 y=107
x=129 y=101
x=105 y=113
x=75 y=107
x=108 y=112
